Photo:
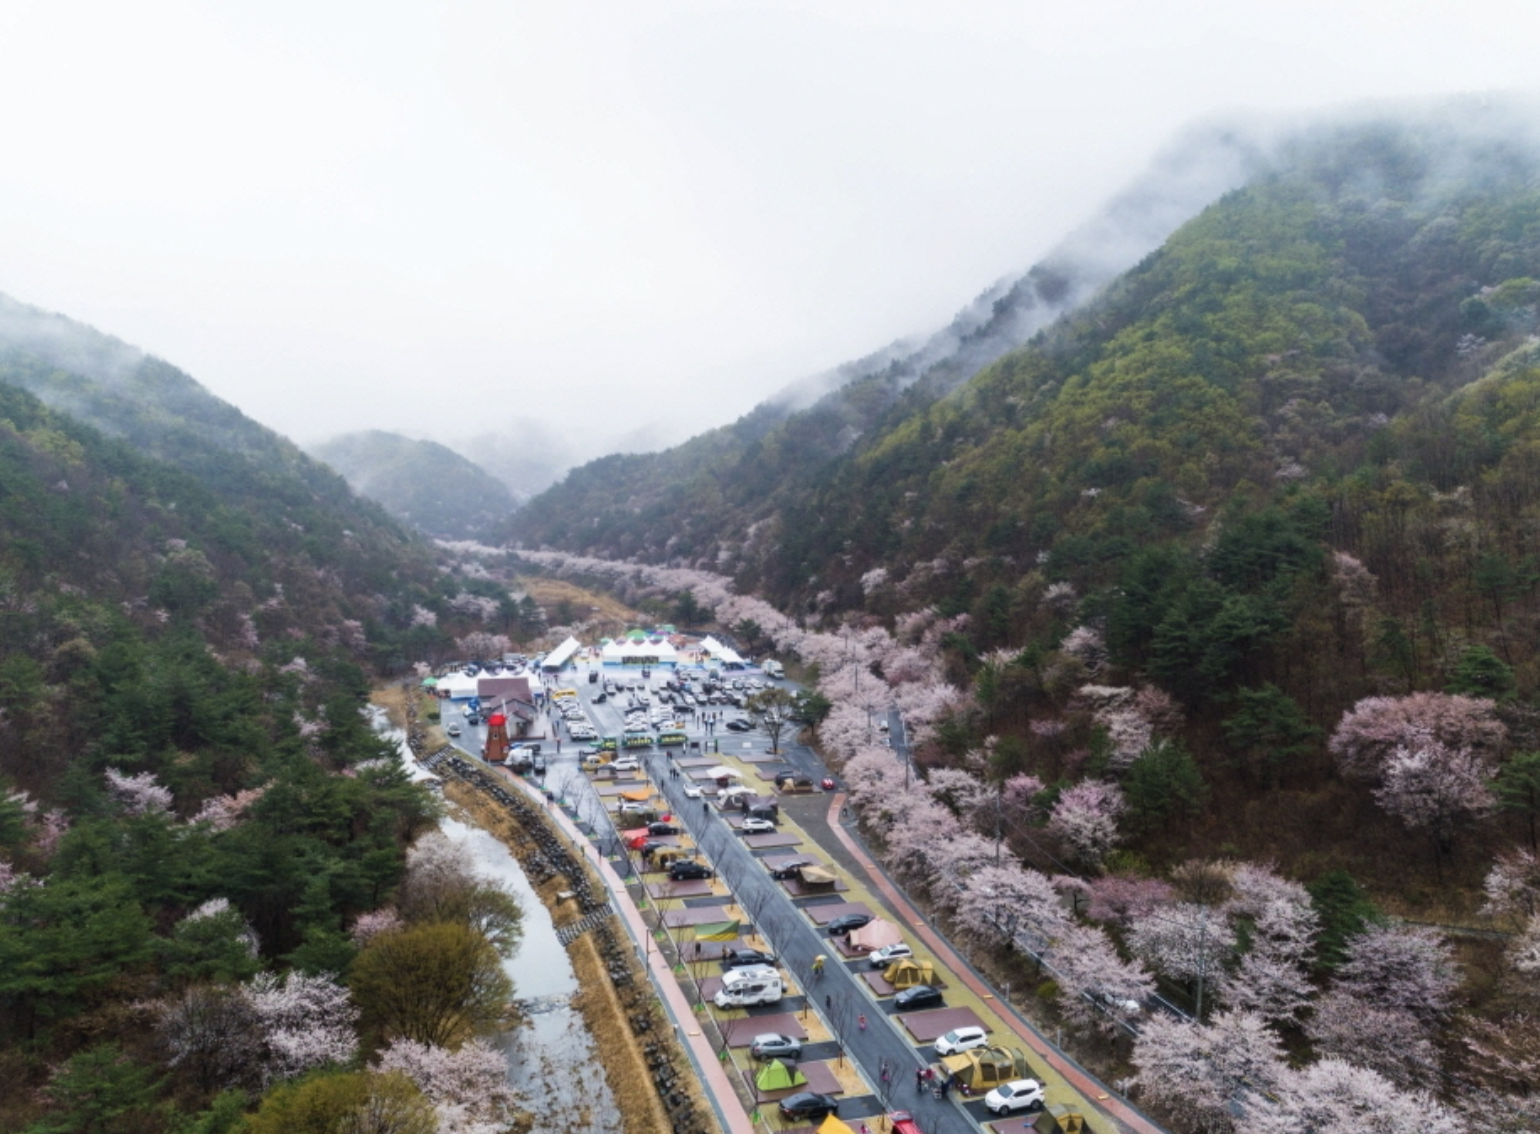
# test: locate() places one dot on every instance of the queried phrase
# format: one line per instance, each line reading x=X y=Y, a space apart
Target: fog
x=580 y=226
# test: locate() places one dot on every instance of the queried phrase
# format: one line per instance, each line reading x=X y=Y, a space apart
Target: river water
x=551 y=1056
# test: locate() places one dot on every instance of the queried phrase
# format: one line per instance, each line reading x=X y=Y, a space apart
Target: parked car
x=846 y=923
x=920 y=996
x=790 y=869
x=662 y=829
x=959 y=1040
x=684 y=871
x=773 y=1045
x=627 y=764
x=882 y=958
x=1018 y=1094
x=755 y=826
x=738 y=724
x=739 y=958
x=809 y=1106
x=453 y=730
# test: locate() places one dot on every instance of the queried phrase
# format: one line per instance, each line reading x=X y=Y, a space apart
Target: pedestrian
x=828 y=1003
x=861 y=1023
x=919 y=1078
x=946 y=1085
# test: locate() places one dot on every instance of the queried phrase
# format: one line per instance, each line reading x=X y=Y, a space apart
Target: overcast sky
x=615 y=215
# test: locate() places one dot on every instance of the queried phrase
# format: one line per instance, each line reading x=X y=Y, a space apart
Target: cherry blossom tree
x=1391 y=1041
x=212 y=1034
x=138 y=795
x=1198 y=1072
x=1524 y=953
x=480 y=644
x=305 y=1022
x=223 y=812
x=1086 y=819
x=1120 y=900
x=469 y=1087
x=1334 y=1097
x=1513 y=886
x=963 y=793
x=1370 y=733
x=1272 y=979
x=1098 y=990
x=1400 y=966
x=368 y=926
x=1184 y=941
x=999 y=905
x=1434 y=788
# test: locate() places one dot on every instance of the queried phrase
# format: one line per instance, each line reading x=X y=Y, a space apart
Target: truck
x=748 y=986
x=772 y=668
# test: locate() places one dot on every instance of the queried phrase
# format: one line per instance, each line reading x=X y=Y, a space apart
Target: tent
x=817 y=877
x=908 y=973
x=637 y=796
x=718 y=931
x=779 y=1075
x=987 y=1067
x=722 y=772
x=874 y=935
x=457 y=686
x=833 y=1125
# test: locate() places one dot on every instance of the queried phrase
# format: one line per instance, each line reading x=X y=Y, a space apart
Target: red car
x=828 y=783
x=904 y=1123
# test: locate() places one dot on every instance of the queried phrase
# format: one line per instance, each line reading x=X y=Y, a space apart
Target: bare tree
x=772 y=711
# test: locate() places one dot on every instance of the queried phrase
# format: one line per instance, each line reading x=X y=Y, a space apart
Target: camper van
x=745 y=987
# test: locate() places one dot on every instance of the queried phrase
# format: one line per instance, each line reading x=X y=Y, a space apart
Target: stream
x=551 y=1057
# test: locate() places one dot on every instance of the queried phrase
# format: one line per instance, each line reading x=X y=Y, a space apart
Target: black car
x=809 y=1106
x=742 y=958
x=790 y=870
x=847 y=923
x=738 y=724
x=683 y=871
x=920 y=996
x=600 y=698
x=662 y=829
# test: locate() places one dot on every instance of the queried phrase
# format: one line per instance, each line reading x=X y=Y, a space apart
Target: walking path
x=1122 y=1114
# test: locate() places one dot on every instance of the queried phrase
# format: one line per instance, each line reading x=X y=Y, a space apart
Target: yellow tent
x=833 y=1125
x=637 y=796
x=986 y=1067
x=907 y=973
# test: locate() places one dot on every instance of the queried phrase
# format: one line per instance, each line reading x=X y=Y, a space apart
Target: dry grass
x=606 y=614
x=619 y=1053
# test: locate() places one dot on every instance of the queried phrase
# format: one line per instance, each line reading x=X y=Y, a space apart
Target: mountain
x=728 y=479
x=421 y=483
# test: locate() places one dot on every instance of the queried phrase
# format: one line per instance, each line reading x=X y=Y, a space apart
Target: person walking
x=861 y=1023
x=919 y=1078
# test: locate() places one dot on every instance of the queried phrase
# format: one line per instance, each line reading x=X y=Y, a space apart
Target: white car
x=882 y=958
x=627 y=764
x=757 y=827
x=1018 y=1094
x=959 y=1040
x=692 y=791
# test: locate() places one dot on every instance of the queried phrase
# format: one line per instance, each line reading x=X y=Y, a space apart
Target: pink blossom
x=1524 y=953
x=469 y=1088
x=306 y=1022
x=1086 y=819
x=1185 y=942
x=1391 y=1041
x=1400 y=966
x=1369 y=735
x=480 y=644
x=422 y=616
x=1195 y=1072
x=223 y=812
x=1334 y=1097
x=50 y=830
x=1273 y=979
x=368 y=926
x=298 y=666
x=1085 y=644
x=997 y=905
x=140 y=794
x=1436 y=788
x=1120 y=900
x=1098 y=990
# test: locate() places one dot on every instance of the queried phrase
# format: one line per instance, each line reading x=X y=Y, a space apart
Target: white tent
x=557 y=659
x=718 y=652
x=457 y=686
x=723 y=770
x=624 y=651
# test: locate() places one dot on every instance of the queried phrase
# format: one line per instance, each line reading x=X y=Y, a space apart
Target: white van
x=750 y=985
x=772 y=668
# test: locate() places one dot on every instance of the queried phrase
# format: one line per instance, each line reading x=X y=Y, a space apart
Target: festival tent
x=457 y=686
x=722 y=772
x=874 y=935
x=833 y=1125
x=779 y=1075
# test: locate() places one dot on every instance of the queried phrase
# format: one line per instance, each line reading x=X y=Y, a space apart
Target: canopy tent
x=641 y=796
x=720 y=653
x=874 y=935
x=457 y=686
x=429 y=682
x=722 y=772
x=642 y=651
x=816 y=877
x=779 y=1075
x=558 y=658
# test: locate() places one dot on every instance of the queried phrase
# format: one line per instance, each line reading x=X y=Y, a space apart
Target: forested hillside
x=421 y=483
x=199 y=828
